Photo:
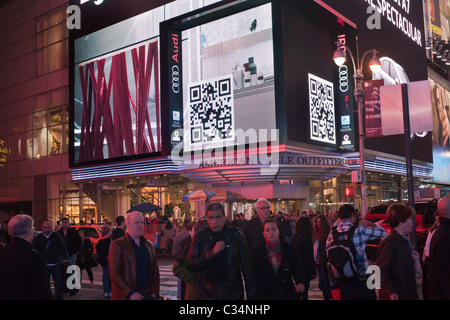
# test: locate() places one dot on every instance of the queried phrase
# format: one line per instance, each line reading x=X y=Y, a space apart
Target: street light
x=339 y=58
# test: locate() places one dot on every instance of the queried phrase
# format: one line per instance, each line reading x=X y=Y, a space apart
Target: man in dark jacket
x=52 y=248
x=72 y=241
x=102 y=249
x=253 y=229
x=439 y=263
x=219 y=254
x=22 y=270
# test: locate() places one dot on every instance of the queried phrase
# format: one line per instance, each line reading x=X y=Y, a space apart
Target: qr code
x=321 y=108
x=211 y=111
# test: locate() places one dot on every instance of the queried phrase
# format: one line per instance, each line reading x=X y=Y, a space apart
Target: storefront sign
x=372 y=108
x=283 y=159
x=157 y=183
x=112 y=186
x=4 y=151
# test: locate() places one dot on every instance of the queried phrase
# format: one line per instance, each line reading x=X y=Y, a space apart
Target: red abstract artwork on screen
x=115 y=114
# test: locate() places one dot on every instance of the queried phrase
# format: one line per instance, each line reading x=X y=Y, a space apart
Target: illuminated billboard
x=221 y=78
x=117 y=108
x=395 y=30
x=441 y=132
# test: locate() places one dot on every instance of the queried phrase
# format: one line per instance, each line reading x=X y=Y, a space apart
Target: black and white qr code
x=211 y=111
x=322 y=110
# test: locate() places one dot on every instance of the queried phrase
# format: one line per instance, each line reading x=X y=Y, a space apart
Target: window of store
x=50 y=135
x=51 y=41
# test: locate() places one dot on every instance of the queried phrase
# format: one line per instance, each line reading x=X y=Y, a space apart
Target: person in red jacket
x=133 y=267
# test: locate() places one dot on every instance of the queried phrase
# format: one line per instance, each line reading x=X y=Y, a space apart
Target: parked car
x=92 y=231
x=425 y=211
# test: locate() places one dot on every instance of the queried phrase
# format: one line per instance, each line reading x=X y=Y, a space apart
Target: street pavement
x=168 y=283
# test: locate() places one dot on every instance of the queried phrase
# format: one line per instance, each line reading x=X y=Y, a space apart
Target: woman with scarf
x=278 y=272
x=398 y=259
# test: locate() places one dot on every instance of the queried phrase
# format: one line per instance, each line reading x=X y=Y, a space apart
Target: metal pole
x=359 y=94
x=408 y=156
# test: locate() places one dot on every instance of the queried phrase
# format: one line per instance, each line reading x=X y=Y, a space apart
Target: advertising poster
x=435 y=19
x=372 y=114
x=441 y=132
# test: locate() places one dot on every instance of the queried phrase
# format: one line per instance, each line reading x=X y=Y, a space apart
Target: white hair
x=262 y=200
x=20 y=226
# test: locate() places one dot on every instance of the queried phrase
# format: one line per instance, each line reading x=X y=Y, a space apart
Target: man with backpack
x=347 y=258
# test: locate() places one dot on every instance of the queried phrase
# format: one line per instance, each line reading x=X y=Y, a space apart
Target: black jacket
x=117 y=233
x=51 y=248
x=439 y=263
x=397 y=268
x=280 y=285
x=102 y=248
x=219 y=276
x=85 y=259
x=23 y=274
x=71 y=239
x=305 y=253
x=253 y=231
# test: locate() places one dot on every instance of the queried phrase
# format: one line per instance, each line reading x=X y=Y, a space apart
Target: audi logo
x=175 y=79
x=343 y=78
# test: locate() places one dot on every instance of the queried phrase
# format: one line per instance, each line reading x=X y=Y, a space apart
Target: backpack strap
x=349 y=237
x=349 y=233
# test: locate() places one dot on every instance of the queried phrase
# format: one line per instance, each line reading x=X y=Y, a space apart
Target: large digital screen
x=117 y=109
x=227 y=76
x=116 y=99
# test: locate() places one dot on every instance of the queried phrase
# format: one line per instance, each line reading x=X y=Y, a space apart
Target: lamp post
x=339 y=58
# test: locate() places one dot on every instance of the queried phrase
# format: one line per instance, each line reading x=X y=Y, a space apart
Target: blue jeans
x=56 y=273
x=106 y=280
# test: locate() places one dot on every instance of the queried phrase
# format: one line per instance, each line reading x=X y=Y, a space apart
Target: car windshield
x=89 y=232
x=424 y=209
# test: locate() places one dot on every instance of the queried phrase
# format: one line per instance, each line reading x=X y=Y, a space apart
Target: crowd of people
x=267 y=257
x=278 y=259
x=54 y=252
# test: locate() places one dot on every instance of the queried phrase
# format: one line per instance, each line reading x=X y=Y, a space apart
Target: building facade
x=100 y=105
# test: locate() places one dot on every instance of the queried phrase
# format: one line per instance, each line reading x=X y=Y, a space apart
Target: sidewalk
x=168 y=286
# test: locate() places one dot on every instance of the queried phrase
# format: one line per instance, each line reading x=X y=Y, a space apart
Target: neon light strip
x=395 y=167
x=124 y=169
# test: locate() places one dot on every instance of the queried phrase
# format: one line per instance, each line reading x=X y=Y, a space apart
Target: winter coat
x=219 y=276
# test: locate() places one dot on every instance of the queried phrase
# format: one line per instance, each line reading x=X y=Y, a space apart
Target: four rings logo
x=175 y=79
x=343 y=78
x=175 y=68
